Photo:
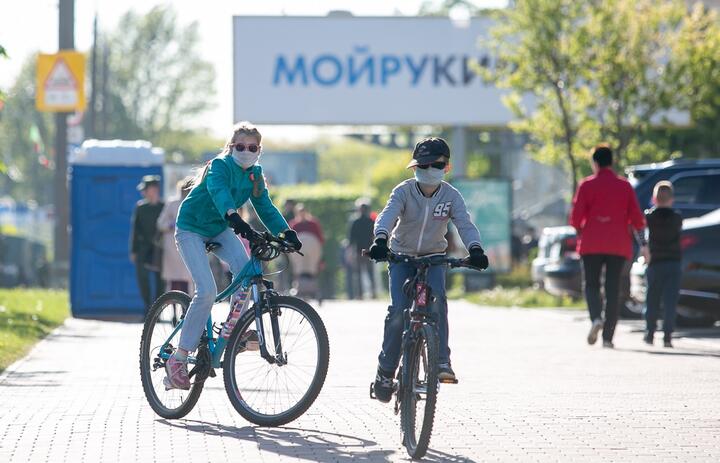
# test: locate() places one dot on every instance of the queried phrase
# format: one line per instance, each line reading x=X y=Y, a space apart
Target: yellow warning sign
x=60 y=82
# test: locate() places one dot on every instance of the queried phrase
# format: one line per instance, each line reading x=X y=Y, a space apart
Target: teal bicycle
x=270 y=389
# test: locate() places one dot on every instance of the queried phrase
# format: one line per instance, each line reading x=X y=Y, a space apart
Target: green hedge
x=332 y=204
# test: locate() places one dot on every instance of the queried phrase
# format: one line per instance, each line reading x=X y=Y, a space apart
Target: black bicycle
x=417 y=378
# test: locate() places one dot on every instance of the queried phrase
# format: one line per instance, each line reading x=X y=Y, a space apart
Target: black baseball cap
x=429 y=150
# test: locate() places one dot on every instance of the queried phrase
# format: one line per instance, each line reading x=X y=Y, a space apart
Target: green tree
x=25 y=139
x=597 y=71
x=696 y=60
x=158 y=82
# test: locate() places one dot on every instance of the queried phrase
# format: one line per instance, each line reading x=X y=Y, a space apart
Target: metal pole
x=66 y=39
x=458 y=152
x=94 y=80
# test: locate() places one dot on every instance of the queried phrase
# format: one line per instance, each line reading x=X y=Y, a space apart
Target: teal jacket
x=227 y=186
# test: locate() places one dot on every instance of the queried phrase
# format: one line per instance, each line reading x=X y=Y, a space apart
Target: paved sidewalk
x=530 y=390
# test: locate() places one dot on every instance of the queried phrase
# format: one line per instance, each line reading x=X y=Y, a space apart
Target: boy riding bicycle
x=415 y=220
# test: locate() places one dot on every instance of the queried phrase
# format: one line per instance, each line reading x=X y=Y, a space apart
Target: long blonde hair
x=241 y=128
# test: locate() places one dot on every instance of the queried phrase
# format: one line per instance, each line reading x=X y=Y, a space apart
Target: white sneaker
x=595 y=329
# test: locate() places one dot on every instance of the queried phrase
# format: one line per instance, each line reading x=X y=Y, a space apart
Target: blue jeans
x=192 y=250
x=399 y=302
x=663 y=279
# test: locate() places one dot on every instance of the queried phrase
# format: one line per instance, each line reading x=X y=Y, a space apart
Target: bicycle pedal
x=448 y=381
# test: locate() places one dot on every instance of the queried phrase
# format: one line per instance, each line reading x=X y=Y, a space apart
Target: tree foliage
x=26 y=141
x=158 y=82
x=157 y=85
x=595 y=71
x=696 y=60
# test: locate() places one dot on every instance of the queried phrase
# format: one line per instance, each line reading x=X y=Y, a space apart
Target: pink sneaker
x=177 y=374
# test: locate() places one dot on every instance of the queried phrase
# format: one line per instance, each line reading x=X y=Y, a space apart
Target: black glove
x=379 y=249
x=478 y=258
x=240 y=227
x=291 y=237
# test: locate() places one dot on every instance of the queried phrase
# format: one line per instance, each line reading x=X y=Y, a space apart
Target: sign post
x=61 y=89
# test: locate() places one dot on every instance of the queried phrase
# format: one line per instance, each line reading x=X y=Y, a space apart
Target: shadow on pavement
x=44 y=378
x=678 y=353
x=436 y=456
x=307 y=444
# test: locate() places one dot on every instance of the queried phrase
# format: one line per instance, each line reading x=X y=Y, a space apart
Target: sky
x=213 y=16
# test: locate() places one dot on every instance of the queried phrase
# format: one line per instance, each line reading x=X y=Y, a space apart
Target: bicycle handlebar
x=266 y=247
x=452 y=262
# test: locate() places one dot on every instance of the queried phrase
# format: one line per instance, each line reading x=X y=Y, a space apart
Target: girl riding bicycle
x=415 y=219
x=209 y=213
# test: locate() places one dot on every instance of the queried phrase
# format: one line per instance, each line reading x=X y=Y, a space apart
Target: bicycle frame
x=247 y=279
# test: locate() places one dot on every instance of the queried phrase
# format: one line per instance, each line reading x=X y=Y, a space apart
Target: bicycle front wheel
x=273 y=394
x=419 y=393
x=160 y=323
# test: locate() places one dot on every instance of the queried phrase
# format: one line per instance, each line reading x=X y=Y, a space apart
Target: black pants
x=593 y=265
x=150 y=284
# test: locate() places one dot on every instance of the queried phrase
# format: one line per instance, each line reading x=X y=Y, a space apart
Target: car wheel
x=631 y=309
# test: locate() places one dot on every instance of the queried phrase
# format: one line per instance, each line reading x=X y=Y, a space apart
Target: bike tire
x=146 y=344
x=323 y=360
x=416 y=443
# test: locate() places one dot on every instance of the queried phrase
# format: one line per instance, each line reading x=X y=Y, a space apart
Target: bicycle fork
x=280 y=357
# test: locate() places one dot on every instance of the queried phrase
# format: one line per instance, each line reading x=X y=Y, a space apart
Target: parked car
x=697 y=192
x=699 y=303
x=557 y=266
x=696 y=184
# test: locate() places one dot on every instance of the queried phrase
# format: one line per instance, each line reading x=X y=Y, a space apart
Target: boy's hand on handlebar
x=242 y=228
x=291 y=237
x=379 y=250
x=478 y=258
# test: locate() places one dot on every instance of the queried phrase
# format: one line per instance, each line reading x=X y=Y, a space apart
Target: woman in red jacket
x=605 y=211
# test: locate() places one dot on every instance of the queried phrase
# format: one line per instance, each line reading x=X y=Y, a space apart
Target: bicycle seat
x=210 y=246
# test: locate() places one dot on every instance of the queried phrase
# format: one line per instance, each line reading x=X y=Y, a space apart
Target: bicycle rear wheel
x=271 y=394
x=420 y=387
x=160 y=322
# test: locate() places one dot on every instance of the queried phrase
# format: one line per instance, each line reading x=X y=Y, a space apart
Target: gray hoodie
x=422 y=222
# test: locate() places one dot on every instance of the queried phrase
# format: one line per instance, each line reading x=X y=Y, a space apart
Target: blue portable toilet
x=103 y=176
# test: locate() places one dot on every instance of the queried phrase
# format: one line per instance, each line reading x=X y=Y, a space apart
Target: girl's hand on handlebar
x=291 y=237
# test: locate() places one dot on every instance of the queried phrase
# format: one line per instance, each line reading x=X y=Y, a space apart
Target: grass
x=26 y=316
x=515 y=289
x=522 y=297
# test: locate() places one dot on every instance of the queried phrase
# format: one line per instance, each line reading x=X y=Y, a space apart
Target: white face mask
x=245 y=159
x=429 y=176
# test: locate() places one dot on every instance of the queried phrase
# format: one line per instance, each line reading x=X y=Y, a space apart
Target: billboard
x=363 y=70
x=489 y=202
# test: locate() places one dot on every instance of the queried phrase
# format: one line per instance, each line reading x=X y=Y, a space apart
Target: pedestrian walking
x=305 y=268
x=144 y=250
x=663 y=255
x=604 y=211
x=360 y=236
x=174 y=272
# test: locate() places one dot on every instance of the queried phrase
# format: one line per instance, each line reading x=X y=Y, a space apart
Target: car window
x=687 y=189
x=710 y=191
